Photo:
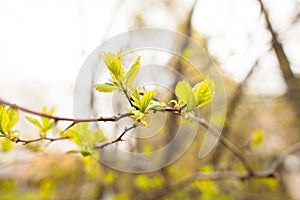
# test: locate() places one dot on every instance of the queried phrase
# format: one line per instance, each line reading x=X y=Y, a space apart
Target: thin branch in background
x=222 y=175
x=292 y=82
x=227 y=144
x=284 y=63
x=283 y=156
x=231 y=109
x=119 y=139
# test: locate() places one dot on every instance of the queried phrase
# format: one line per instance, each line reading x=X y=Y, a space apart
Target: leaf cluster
x=121 y=80
x=45 y=123
x=8 y=119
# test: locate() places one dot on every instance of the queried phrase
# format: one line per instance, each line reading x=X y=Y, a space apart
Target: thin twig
x=17 y=140
x=119 y=139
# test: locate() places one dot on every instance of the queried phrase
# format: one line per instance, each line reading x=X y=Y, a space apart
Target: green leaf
x=147 y=96
x=204 y=91
x=73 y=133
x=34 y=122
x=106 y=87
x=114 y=65
x=132 y=73
x=185 y=95
x=138 y=116
x=13 y=117
x=136 y=98
x=46 y=121
x=83 y=136
x=4 y=120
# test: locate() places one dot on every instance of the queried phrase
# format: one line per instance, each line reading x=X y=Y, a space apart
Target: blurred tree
x=259 y=130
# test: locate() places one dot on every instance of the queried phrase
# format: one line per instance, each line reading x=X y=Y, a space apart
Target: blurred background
x=43 y=45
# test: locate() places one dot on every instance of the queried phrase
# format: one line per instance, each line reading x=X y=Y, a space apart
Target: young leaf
x=148 y=95
x=46 y=121
x=34 y=122
x=136 y=98
x=138 y=116
x=4 y=120
x=106 y=87
x=83 y=136
x=132 y=73
x=114 y=65
x=204 y=92
x=185 y=95
x=13 y=117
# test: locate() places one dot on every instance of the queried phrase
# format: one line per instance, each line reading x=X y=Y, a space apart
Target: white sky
x=44 y=43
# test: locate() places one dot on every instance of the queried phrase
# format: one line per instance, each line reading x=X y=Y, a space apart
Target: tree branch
x=201 y=121
x=231 y=109
x=281 y=157
x=284 y=63
x=226 y=143
x=17 y=140
x=57 y=118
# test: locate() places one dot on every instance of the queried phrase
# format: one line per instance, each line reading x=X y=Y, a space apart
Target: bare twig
x=24 y=142
x=119 y=139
